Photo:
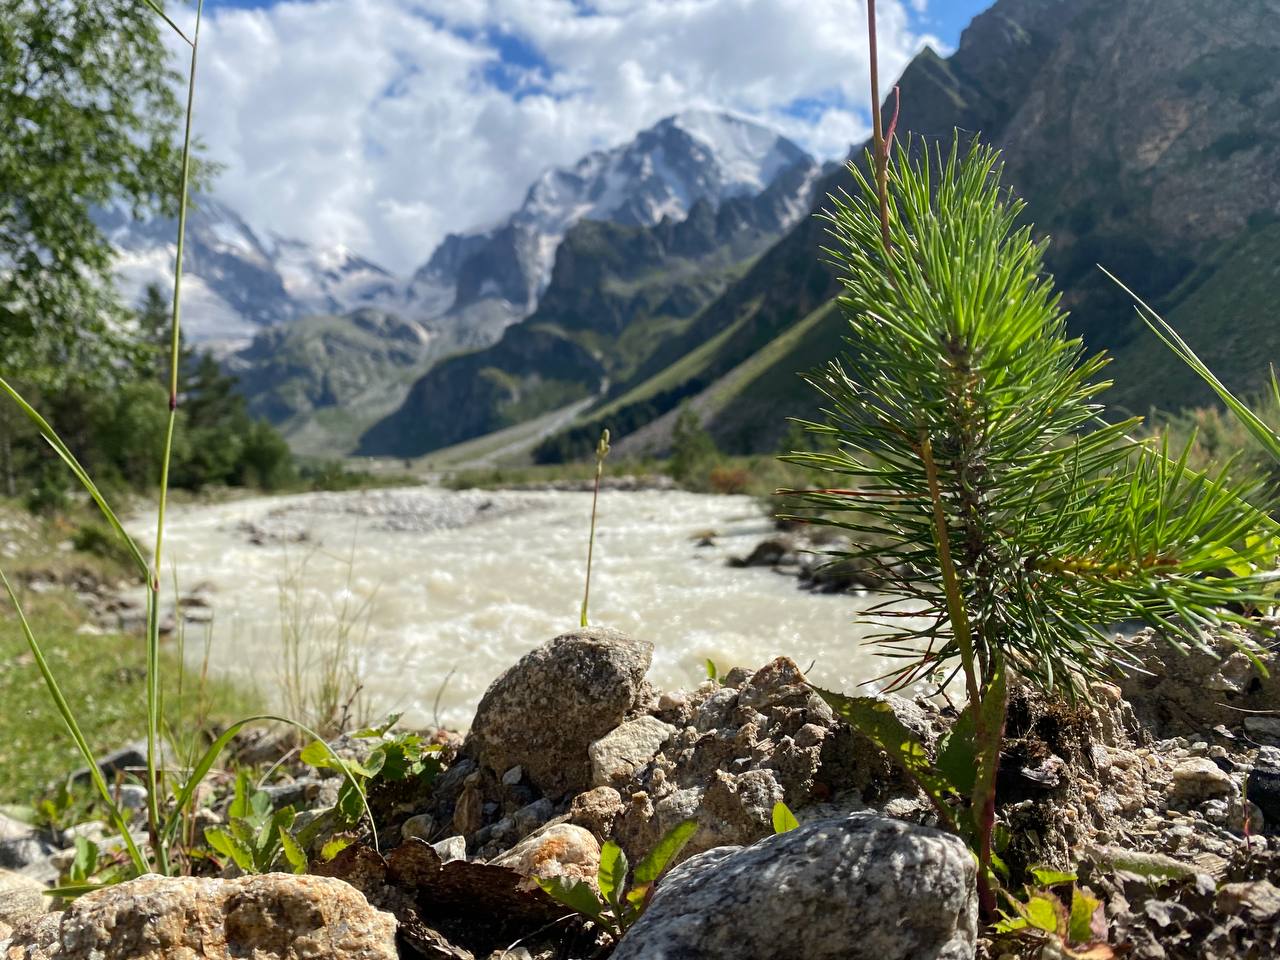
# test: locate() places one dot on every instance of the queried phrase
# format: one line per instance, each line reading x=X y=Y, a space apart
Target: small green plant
x=1056 y=913
x=602 y=451
x=621 y=894
x=396 y=757
x=256 y=837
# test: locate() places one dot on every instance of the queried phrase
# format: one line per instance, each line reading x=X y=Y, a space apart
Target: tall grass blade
x=175 y=357
x=1265 y=435
x=51 y=437
x=68 y=717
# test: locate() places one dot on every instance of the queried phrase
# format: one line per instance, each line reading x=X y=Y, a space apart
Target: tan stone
x=560 y=850
x=21 y=898
x=270 y=917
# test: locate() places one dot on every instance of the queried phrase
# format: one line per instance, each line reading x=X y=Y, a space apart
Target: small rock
x=773 y=552
x=545 y=712
x=1263 y=729
x=617 y=755
x=451 y=848
x=1258 y=901
x=420 y=827
x=595 y=810
x=21 y=844
x=561 y=850
x=21 y=898
x=162 y=918
x=530 y=817
x=1199 y=779
x=857 y=888
x=1263 y=786
x=513 y=776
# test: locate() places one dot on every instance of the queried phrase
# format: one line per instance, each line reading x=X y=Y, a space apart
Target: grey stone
x=531 y=817
x=1199 y=778
x=421 y=827
x=21 y=898
x=857 y=888
x=451 y=848
x=545 y=712
x=21 y=844
x=618 y=754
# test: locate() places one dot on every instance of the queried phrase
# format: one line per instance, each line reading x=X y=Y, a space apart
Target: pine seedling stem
x=602 y=451
x=877 y=130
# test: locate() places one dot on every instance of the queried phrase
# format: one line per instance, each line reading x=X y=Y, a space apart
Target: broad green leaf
x=86 y=859
x=958 y=754
x=578 y=896
x=874 y=718
x=334 y=846
x=292 y=852
x=783 y=818
x=612 y=875
x=378 y=731
x=1083 y=908
x=1010 y=924
x=712 y=672
x=239 y=808
x=652 y=866
x=1041 y=912
x=230 y=847
x=1048 y=877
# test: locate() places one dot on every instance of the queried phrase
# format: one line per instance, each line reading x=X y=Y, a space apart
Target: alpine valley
x=684 y=268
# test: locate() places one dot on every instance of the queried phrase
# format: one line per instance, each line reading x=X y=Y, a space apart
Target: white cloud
x=379 y=125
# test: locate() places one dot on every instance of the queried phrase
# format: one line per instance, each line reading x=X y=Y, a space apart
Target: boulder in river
x=863 y=887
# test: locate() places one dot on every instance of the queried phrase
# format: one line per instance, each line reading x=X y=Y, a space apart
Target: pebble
x=1199 y=779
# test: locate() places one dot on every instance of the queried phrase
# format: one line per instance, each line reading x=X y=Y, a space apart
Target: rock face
x=741 y=746
x=269 y=917
x=545 y=712
x=858 y=887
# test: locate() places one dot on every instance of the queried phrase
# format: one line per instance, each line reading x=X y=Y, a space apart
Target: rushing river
x=469 y=581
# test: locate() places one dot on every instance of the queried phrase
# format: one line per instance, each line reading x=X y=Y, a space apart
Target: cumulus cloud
x=381 y=125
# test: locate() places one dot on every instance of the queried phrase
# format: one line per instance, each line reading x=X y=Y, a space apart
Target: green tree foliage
x=966 y=423
x=90 y=118
x=693 y=451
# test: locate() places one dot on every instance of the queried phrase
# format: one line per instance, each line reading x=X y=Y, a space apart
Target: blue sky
x=380 y=125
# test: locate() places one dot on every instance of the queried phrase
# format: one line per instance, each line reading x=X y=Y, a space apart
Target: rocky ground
x=1163 y=794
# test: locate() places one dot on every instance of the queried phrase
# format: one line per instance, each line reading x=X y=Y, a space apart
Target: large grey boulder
x=544 y=713
x=274 y=916
x=862 y=887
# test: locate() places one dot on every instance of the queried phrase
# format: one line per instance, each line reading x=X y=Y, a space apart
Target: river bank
x=455 y=584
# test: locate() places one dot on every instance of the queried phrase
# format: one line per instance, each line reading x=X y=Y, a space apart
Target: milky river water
x=470 y=581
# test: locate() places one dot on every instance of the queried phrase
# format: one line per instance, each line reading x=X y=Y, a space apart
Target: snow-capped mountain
x=663 y=172
x=236 y=281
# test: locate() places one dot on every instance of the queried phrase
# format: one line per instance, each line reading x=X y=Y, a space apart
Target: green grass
x=104 y=680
